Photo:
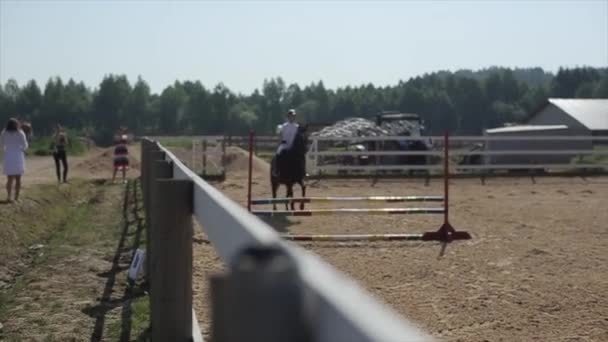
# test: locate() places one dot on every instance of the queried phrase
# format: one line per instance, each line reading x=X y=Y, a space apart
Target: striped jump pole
x=325 y=212
x=353 y=237
x=388 y=199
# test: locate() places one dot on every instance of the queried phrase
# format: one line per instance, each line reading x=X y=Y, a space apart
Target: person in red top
x=121 y=158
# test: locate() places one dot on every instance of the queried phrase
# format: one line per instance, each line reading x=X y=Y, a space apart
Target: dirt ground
x=535 y=270
x=95 y=164
x=65 y=251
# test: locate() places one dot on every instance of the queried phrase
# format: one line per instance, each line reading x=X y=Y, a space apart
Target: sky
x=241 y=43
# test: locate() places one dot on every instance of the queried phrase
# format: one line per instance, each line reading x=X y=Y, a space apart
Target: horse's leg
x=289 y=195
x=275 y=185
x=303 y=193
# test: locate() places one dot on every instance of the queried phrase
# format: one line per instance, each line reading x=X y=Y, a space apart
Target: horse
x=292 y=168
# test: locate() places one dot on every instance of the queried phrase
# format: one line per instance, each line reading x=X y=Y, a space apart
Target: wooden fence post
x=171 y=315
x=146 y=148
x=223 y=171
x=160 y=169
x=153 y=155
x=145 y=191
x=204 y=158
x=193 y=165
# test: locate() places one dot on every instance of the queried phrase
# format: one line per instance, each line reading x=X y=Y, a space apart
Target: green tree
x=137 y=107
x=29 y=101
x=567 y=81
x=109 y=107
x=601 y=90
x=273 y=91
x=586 y=90
x=53 y=106
x=172 y=105
x=8 y=100
x=77 y=102
x=243 y=118
x=198 y=108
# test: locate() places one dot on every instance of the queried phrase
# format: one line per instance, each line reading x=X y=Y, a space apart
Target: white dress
x=14 y=145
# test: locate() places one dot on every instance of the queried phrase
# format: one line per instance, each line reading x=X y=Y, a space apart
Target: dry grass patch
x=75 y=286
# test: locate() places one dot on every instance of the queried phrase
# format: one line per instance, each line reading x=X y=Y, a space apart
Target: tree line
x=464 y=102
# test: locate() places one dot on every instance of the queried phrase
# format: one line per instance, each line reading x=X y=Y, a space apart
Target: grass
x=75 y=287
x=55 y=217
x=49 y=203
x=42 y=146
x=50 y=229
x=593 y=159
x=140 y=312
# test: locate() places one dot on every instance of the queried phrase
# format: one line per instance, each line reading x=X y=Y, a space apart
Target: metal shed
x=582 y=116
x=515 y=140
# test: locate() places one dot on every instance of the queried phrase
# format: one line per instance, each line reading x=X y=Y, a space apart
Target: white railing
x=463 y=138
x=553 y=153
x=342 y=311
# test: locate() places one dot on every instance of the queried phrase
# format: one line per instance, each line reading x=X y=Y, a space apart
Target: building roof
x=592 y=113
x=525 y=128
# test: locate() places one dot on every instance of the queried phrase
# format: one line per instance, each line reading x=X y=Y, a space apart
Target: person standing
x=121 y=158
x=14 y=144
x=60 y=143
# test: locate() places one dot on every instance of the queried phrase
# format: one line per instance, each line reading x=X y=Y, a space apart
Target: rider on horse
x=287 y=133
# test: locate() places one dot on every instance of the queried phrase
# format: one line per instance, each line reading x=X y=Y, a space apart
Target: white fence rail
x=486 y=154
x=342 y=311
x=463 y=138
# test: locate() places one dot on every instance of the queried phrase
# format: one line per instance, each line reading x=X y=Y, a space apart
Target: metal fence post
x=171 y=315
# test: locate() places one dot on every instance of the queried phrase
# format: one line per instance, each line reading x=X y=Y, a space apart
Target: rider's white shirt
x=287 y=133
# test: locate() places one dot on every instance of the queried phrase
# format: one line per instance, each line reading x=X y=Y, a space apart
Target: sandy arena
x=536 y=268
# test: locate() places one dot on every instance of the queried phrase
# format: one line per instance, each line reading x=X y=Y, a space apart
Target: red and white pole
x=446 y=232
x=251 y=137
x=446 y=177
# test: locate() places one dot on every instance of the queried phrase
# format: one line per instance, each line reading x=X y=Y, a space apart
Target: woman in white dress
x=13 y=143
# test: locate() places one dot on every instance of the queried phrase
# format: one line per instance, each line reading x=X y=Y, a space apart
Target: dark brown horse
x=290 y=168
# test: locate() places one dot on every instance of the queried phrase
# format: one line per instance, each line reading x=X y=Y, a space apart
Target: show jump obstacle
x=446 y=232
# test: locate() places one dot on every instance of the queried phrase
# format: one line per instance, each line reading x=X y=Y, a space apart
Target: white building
x=582 y=116
x=558 y=117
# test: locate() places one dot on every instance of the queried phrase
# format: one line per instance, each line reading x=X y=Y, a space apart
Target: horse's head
x=300 y=142
x=303 y=129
